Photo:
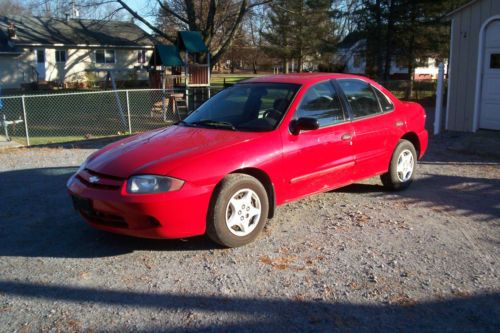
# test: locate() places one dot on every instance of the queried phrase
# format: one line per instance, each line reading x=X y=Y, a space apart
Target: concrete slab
x=483 y=142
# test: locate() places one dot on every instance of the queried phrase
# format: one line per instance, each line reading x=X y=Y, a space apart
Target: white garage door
x=490 y=97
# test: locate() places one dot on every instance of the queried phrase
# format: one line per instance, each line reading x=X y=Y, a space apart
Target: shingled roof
x=74 y=32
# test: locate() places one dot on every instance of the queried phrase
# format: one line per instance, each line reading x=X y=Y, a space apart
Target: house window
x=495 y=61
x=357 y=61
x=61 y=56
x=40 y=56
x=105 y=56
x=141 y=56
x=401 y=63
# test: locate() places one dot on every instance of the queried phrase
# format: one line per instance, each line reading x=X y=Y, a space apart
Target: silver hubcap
x=243 y=212
x=405 y=165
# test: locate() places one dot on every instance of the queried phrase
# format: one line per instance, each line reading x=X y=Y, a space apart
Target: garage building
x=474 y=81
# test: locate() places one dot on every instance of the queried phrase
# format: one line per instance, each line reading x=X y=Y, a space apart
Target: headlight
x=143 y=184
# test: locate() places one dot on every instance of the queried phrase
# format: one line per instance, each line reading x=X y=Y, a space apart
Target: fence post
x=128 y=114
x=25 y=121
x=439 y=100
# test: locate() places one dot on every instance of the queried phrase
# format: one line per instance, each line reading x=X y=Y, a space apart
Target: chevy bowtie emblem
x=94 y=179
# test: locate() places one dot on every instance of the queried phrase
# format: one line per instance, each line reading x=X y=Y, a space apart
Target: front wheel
x=402 y=167
x=239 y=211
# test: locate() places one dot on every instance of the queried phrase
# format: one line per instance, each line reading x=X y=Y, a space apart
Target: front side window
x=361 y=97
x=105 y=56
x=321 y=102
x=245 y=107
x=61 y=56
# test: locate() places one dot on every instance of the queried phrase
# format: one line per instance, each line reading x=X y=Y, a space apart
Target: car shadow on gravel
x=236 y=314
x=468 y=196
x=37 y=220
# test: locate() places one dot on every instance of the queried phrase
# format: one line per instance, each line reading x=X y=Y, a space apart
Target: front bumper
x=107 y=206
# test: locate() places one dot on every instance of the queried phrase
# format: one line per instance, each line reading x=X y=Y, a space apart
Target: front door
x=40 y=63
x=320 y=159
x=490 y=96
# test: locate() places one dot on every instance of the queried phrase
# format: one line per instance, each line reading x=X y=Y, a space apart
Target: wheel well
x=413 y=138
x=264 y=179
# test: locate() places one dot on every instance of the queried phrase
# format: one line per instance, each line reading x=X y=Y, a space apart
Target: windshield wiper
x=213 y=123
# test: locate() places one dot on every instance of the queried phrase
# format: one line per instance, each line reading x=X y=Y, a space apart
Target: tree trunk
x=379 y=50
x=409 y=86
x=388 y=50
x=411 y=49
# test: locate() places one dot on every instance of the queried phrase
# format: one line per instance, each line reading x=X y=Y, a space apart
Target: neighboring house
x=474 y=82
x=65 y=51
x=351 y=54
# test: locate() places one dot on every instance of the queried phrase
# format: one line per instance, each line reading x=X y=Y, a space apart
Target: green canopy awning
x=192 y=42
x=166 y=55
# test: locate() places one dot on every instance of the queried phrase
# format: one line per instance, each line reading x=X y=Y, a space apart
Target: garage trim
x=479 y=81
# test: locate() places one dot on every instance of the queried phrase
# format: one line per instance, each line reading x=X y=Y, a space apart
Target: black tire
x=391 y=180
x=217 y=228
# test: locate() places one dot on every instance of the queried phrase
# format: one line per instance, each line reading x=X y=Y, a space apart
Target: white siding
x=463 y=67
x=15 y=71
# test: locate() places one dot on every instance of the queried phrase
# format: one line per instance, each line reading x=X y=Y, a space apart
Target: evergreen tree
x=300 y=30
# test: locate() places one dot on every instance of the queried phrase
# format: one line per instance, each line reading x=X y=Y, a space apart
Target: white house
x=65 y=51
x=351 y=54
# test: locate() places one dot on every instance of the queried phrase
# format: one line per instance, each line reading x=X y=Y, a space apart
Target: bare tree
x=12 y=7
x=217 y=20
x=87 y=9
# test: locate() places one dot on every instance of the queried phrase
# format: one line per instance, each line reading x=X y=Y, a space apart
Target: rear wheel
x=402 y=167
x=239 y=211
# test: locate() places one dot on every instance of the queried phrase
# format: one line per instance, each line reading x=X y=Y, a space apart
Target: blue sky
x=142 y=7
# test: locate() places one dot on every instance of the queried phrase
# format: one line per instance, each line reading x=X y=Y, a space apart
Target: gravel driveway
x=354 y=259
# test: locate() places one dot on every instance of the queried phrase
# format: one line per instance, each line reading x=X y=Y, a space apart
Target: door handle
x=346 y=137
x=399 y=123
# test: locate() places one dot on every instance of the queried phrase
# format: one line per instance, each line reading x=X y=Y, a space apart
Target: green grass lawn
x=219 y=79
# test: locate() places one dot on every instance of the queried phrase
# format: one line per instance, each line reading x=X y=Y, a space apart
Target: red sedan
x=252 y=147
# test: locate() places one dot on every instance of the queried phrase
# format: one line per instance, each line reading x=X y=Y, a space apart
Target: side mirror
x=303 y=124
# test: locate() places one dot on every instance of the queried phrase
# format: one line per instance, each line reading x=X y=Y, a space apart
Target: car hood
x=160 y=151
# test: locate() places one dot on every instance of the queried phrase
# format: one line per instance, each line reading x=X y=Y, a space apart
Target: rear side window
x=321 y=102
x=385 y=102
x=361 y=97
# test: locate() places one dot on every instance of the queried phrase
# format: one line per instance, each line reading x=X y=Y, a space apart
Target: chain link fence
x=63 y=117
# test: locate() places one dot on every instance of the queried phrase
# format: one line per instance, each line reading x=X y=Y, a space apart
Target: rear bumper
x=423 y=138
x=175 y=214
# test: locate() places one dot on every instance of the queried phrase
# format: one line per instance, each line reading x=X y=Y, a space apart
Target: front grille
x=97 y=185
x=105 y=182
x=105 y=219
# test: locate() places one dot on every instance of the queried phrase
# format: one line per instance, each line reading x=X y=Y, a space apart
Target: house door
x=490 y=95
x=40 y=63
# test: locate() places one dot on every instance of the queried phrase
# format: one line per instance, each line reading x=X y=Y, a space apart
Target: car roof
x=302 y=78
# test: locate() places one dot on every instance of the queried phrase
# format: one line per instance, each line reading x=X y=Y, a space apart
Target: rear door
x=373 y=125
x=319 y=159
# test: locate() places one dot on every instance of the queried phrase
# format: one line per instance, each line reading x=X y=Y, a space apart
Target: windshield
x=245 y=107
